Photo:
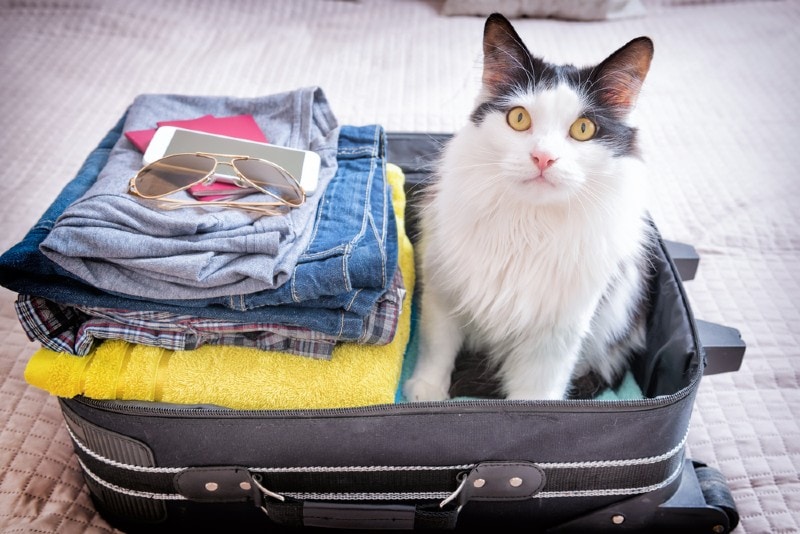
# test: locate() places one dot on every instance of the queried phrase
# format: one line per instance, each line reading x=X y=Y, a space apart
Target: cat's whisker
x=597 y=201
x=608 y=192
x=580 y=202
x=597 y=189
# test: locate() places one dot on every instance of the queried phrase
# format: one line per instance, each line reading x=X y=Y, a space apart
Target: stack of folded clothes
x=221 y=305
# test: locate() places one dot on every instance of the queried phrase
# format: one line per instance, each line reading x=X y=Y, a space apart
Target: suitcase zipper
x=166 y=409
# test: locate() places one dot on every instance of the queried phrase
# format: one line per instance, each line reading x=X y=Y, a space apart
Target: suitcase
x=537 y=466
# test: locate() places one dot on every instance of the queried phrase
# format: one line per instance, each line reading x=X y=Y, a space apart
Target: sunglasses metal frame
x=269 y=208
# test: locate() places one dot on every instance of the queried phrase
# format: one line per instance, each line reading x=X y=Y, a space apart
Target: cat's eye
x=582 y=129
x=519 y=119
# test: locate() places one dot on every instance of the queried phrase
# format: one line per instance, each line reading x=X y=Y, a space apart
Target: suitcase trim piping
x=550 y=472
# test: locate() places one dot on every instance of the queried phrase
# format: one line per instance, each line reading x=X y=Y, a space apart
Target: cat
x=533 y=234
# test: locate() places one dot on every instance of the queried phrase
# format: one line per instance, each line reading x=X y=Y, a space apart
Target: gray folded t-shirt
x=124 y=244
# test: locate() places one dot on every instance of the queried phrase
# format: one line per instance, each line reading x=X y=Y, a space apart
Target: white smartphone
x=304 y=165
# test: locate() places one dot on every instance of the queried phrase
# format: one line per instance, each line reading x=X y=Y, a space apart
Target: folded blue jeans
x=350 y=223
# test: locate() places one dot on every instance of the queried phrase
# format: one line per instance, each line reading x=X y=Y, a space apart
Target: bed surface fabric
x=719 y=119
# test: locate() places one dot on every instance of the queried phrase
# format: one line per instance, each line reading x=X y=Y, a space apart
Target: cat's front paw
x=419 y=389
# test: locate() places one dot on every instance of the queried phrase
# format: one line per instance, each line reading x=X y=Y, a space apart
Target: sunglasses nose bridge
x=211 y=177
x=240 y=180
x=230 y=164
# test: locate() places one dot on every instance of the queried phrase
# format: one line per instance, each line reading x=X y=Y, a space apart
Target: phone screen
x=190 y=141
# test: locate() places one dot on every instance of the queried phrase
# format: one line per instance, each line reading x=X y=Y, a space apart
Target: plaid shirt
x=75 y=329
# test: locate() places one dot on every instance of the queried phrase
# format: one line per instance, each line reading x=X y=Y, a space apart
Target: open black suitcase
x=533 y=466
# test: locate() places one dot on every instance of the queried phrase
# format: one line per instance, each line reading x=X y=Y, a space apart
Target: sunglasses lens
x=173 y=173
x=271 y=179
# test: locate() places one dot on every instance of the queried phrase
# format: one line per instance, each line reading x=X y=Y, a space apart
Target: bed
x=718 y=119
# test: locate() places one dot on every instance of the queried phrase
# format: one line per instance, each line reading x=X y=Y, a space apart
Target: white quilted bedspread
x=720 y=123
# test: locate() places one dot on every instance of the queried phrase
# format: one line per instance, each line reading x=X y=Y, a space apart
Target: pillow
x=560 y=9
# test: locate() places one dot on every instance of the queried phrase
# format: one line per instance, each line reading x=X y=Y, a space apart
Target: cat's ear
x=619 y=78
x=504 y=54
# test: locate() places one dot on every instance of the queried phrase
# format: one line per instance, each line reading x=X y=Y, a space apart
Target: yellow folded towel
x=239 y=377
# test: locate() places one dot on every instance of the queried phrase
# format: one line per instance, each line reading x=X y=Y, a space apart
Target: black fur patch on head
x=542 y=76
x=612 y=130
x=610 y=88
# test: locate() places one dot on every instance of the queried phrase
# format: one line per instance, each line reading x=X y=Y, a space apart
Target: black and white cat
x=533 y=241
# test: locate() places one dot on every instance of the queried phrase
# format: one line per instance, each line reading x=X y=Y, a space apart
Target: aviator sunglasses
x=178 y=172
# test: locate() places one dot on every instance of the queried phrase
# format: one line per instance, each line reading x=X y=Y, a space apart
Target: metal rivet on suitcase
x=502 y=480
x=215 y=484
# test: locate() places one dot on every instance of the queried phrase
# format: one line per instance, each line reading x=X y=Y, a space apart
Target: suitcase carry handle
x=292 y=513
x=487 y=481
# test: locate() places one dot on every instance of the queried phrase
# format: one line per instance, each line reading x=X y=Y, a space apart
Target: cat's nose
x=543 y=160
